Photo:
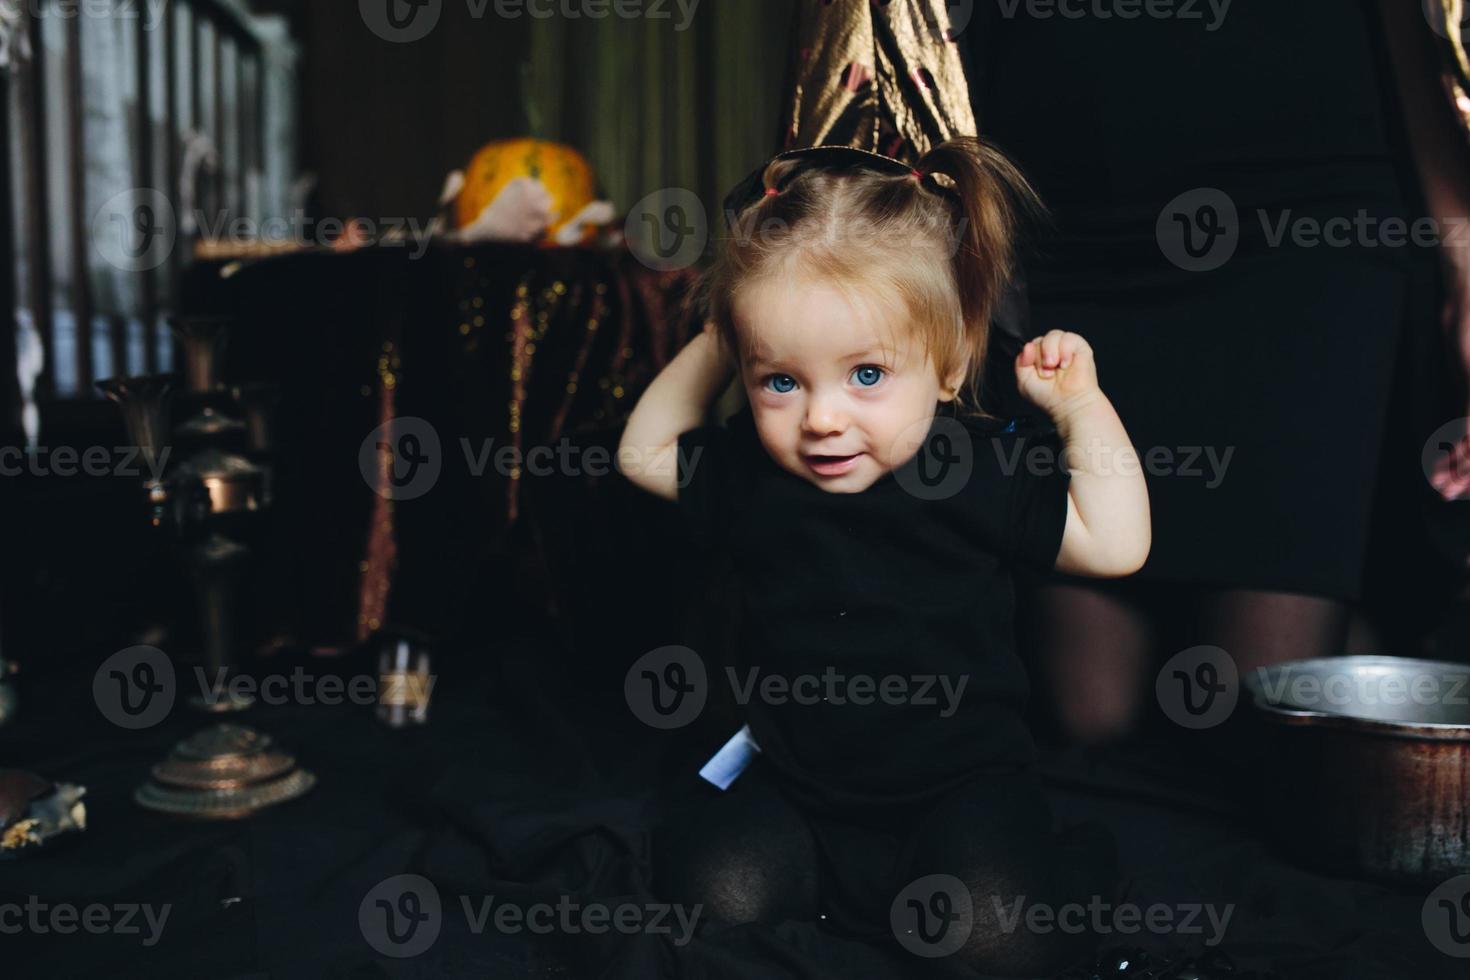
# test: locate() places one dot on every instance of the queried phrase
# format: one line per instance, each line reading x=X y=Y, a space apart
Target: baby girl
x=874 y=516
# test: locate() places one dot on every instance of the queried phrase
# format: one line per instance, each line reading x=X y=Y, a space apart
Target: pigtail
x=992 y=204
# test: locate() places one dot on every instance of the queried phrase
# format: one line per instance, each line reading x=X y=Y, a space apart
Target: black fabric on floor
x=750 y=855
x=522 y=790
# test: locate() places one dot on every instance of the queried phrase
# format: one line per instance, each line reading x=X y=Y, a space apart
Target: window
x=134 y=129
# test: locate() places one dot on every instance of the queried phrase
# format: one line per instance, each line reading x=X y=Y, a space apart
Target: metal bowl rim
x=1430 y=730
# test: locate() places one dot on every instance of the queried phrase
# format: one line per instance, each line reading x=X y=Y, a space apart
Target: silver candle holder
x=200 y=498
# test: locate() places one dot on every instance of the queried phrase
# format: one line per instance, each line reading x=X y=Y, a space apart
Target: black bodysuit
x=879 y=627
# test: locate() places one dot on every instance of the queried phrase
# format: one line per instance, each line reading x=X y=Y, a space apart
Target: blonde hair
x=936 y=253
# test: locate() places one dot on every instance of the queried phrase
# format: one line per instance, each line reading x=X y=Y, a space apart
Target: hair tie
x=917 y=174
x=771 y=192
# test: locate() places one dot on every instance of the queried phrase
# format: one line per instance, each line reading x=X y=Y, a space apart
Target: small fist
x=1056 y=370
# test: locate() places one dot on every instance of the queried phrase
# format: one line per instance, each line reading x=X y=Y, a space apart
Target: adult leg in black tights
x=1092 y=650
x=1259 y=628
x=1096 y=648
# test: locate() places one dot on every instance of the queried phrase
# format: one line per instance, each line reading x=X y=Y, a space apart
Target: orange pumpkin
x=563 y=171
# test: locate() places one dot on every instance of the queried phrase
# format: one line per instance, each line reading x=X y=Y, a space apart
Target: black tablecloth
x=530 y=787
x=489 y=354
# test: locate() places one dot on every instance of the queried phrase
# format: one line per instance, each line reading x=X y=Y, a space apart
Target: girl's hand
x=1057 y=373
x=1451 y=475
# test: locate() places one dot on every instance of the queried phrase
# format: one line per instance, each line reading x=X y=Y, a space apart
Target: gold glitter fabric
x=1446 y=17
x=380 y=551
x=886 y=77
x=544 y=343
x=439 y=413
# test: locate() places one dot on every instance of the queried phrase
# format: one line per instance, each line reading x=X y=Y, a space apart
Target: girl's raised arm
x=1108 y=531
x=674 y=403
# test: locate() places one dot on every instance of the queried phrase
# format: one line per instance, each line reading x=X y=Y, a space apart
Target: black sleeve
x=705 y=483
x=1017 y=493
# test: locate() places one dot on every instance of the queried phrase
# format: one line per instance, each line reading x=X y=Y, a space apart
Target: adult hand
x=1451 y=473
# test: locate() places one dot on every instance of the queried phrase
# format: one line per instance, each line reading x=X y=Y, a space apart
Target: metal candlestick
x=144 y=402
x=217 y=564
x=201 y=496
x=203 y=339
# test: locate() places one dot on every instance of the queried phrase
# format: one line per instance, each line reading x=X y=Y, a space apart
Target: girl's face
x=839 y=398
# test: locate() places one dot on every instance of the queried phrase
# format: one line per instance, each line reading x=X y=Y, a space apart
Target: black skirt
x=1233 y=232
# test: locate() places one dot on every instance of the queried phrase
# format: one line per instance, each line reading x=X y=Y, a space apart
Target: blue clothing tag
x=728 y=763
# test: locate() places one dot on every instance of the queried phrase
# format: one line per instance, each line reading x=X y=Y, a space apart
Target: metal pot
x=1374 y=764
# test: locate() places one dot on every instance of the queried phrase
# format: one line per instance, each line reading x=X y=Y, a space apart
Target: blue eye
x=868 y=375
x=781 y=383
